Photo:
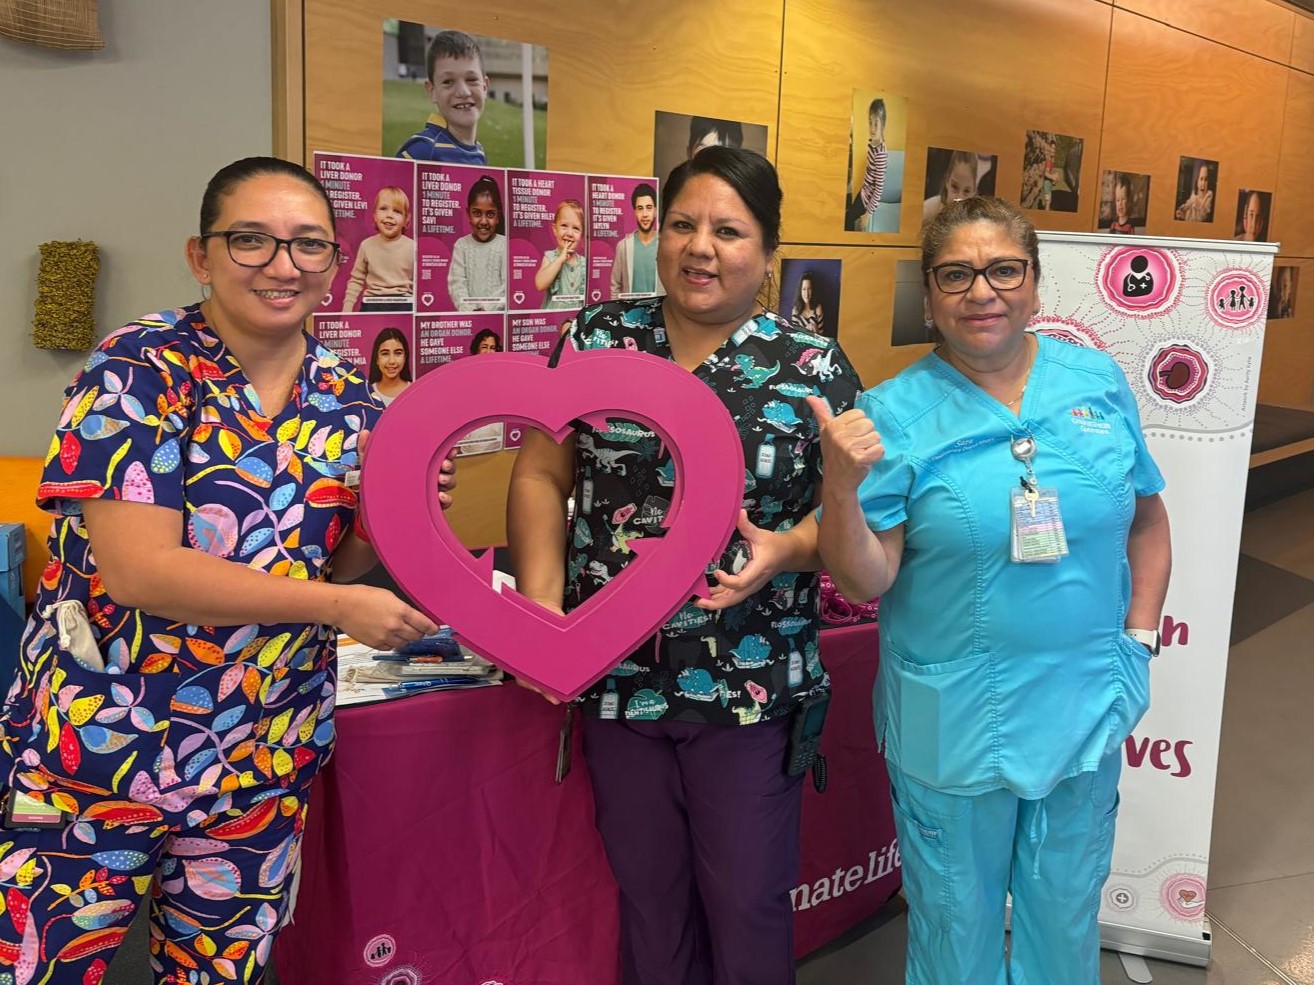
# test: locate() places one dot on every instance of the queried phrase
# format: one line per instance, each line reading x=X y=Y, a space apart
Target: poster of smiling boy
x=372 y=205
x=462 y=244
x=549 y=256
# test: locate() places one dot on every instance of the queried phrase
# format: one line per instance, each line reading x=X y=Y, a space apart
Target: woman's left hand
x=767 y=551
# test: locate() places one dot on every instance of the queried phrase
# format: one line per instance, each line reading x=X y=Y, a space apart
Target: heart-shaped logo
x=518 y=297
x=561 y=654
x=596 y=295
x=426 y=299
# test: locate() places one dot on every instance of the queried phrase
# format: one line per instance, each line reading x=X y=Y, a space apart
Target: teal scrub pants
x=962 y=856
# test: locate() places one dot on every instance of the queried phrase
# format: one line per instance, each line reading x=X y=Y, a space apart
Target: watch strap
x=1148 y=638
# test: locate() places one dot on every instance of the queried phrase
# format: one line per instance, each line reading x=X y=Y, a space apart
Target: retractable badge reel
x=1037 y=534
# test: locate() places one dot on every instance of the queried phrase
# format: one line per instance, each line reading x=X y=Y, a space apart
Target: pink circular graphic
x=1183 y=895
x=1067 y=330
x=1237 y=298
x=1138 y=280
x=1178 y=373
x=380 y=950
x=401 y=976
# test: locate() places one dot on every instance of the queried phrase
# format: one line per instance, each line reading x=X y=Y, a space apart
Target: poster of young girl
x=442 y=339
x=623 y=230
x=373 y=205
x=380 y=345
x=549 y=258
x=462 y=238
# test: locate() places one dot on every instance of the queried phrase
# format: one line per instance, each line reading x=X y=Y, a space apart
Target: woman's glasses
x=1005 y=274
x=249 y=248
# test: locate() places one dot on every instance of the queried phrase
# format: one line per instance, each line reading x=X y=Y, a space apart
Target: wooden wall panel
x=1286 y=376
x=974 y=102
x=1302 y=44
x=991 y=74
x=1142 y=81
x=1172 y=94
x=1293 y=203
x=1255 y=26
x=609 y=67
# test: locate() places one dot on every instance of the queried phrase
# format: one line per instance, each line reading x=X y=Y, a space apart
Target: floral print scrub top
x=163 y=414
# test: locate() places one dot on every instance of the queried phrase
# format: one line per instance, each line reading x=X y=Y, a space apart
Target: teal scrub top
x=996 y=674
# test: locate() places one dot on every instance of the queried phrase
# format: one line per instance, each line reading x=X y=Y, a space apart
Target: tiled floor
x=1261 y=870
x=1261 y=898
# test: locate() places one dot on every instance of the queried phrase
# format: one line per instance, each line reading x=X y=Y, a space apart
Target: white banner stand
x=1185 y=320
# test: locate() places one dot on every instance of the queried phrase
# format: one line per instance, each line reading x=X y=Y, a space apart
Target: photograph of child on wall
x=1282 y=292
x=956 y=174
x=463 y=98
x=676 y=137
x=810 y=295
x=1252 y=211
x=1051 y=171
x=873 y=193
x=1124 y=202
x=1197 y=181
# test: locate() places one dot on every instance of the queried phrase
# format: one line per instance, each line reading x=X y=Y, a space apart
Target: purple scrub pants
x=701 y=826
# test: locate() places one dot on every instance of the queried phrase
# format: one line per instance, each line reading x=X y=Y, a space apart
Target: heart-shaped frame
x=563 y=655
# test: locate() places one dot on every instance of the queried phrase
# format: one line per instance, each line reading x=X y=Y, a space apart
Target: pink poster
x=622 y=238
x=382 y=346
x=445 y=338
x=549 y=262
x=373 y=205
x=537 y=331
x=462 y=238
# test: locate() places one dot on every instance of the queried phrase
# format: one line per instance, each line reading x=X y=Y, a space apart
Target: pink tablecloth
x=440 y=852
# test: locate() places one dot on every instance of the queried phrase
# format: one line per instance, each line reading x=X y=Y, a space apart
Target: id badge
x=1037 y=526
x=24 y=812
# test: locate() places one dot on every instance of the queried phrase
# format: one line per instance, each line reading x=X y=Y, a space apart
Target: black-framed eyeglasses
x=249 y=248
x=1004 y=274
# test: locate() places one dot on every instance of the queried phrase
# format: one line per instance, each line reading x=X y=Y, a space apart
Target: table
x=440 y=852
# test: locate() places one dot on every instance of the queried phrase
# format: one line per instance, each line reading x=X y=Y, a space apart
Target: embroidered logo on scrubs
x=1090 y=420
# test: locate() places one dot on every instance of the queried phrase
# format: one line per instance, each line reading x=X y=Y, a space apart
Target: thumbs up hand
x=850 y=445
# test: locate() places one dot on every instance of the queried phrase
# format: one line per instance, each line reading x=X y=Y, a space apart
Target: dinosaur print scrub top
x=750 y=662
x=163 y=414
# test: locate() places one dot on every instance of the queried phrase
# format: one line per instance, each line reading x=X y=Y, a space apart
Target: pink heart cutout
x=561 y=654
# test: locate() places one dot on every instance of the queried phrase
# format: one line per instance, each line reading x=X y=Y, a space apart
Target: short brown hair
x=980 y=209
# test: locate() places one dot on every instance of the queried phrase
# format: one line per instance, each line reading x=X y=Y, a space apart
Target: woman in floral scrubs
x=175 y=693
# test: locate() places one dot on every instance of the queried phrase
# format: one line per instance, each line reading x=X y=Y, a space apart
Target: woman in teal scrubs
x=999 y=497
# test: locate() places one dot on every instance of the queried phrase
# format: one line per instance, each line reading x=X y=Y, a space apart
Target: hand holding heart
x=850 y=445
